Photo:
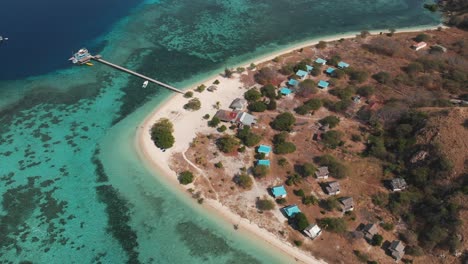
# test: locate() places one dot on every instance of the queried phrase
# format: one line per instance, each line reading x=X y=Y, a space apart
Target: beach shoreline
x=187 y=124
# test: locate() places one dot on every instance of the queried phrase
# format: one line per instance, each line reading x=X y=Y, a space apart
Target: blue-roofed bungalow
x=293 y=82
x=330 y=70
x=264 y=149
x=343 y=65
x=323 y=84
x=309 y=68
x=264 y=163
x=291 y=210
x=285 y=91
x=302 y=74
x=320 y=61
x=279 y=192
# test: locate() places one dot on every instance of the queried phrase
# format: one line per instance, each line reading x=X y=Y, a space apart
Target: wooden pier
x=98 y=58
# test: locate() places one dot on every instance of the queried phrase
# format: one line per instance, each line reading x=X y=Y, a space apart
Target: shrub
x=365 y=91
x=362 y=257
x=307 y=88
x=336 y=169
x=377 y=240
x=321 y=45
x=284 y=148
x=299 y=193
x=228 y=72
x=283 y=122
x=356 y=138
x=207 y=116
x=387 y=226
x=301 y=221
x=193 y=105
x=271 y=105
x=214 y=122
x=260 y=171
x=221 y=129
x=298 y=243
x=265 y=204
x=413 y=68
x=219 y=165
x=307 y=169
x=244 y=181
x=283 y=162
x=357 y=75
x=188 y=94
x=313 y=104
x=268 y=91
x=332 y=138
x=257 y=106
x=302 y=110
x=240 y=69
x=252 y=95
x=307 y=200
x=287 y=69
x=336 y=225
x=382 y=77
x=200 y=88
x=227 y=143
x=247 y=137
x=422 y=37
x=332 y=121
x=330 y=204
x=281 y=201
x=186 y=177
x=161 y=134
x=265 y=75
x=216 y=82
x=316 y=70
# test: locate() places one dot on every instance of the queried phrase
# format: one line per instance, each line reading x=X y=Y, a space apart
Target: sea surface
x=72 y=188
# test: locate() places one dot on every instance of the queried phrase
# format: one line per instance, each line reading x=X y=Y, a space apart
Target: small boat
x=145 y=84
x=89 y=64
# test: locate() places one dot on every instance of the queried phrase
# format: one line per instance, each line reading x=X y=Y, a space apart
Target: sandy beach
x=187 y=124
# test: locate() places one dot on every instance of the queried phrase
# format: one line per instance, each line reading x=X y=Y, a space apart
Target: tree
x=283 y=122
x=247 y=137
x=228 y=72
x=265 y=75
x=321 y=45
x=422 y=37
x=287 y=69
x=301 y=221
x=188 y=94
x=260 y=171
x=307 y=200
x=284 y=148
x=307 y=169
x=413 y=68
x=268 y=91
x=358 y=75
x=244 y=181
x=214 y=122
x=185 y=177
x=299 y=193
x=337 y=170
x=271 y=105
x=221 y=129
x=313 y=104
x=332 y=138
x=200 y=88
x=332 y=121
x=257 y=106
x=382 y=77
x=265 y=204
x=336 y=225
x=161 y=134
x=365 y=91
x=330 y=204
x=227 y=143
x=377 y=240
x=307 y=87
x=193 y=105
x=252 y=95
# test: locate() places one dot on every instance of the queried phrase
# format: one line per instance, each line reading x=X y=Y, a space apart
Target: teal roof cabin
x=343 y=65
x=320 y=61
x=323 y=84
x=264 y=149
x=302 y=74
x=291 y=210
x=264 y=163
x=330 y=70
x=279 y=192
x=285 y=91
x=309 y=68
x=293 y=82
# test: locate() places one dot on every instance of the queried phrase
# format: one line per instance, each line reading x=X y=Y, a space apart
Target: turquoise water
x=72 y=186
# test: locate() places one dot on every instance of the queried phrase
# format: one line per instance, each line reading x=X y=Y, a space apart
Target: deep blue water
x=43 y=34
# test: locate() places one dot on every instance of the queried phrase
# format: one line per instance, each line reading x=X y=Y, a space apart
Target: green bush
x=268 y=91
x=422 y=37
x=332 y=138
x=271 y=105
x=332 y=121
x=298 y=243
x=336 y=225
x=299 y=193
x=284 y=148
x=227 y=143
x=186 y=177
x=281 y=201
x=337 y=169
x=377 y=240
x=301 y=221
x=283 y=162
x=193 y=105
x=257 y=106
x=283 y=122
x=307 y=200
x=265 y=204
x=216 y=82
x=247 y=137
x=214 y=122
x=307 y=88
x=358 y=75
x=260 y=171
x=221 y=129
x=365 y=91
x=244 y=181
x=382 y=77
x=188 y=94
x=356 y=138
x=161 y=134
x=307 y=169
x=207 y=116
x=219 y=165
x=200 y=88
x=252 y=95
x=387 y=226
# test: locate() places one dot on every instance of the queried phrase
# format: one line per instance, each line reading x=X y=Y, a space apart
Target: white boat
x=145 y=84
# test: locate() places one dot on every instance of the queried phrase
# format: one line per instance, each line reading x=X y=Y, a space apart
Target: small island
x=352 y=149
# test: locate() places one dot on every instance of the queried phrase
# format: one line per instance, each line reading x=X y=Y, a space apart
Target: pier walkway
x=98 y=58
